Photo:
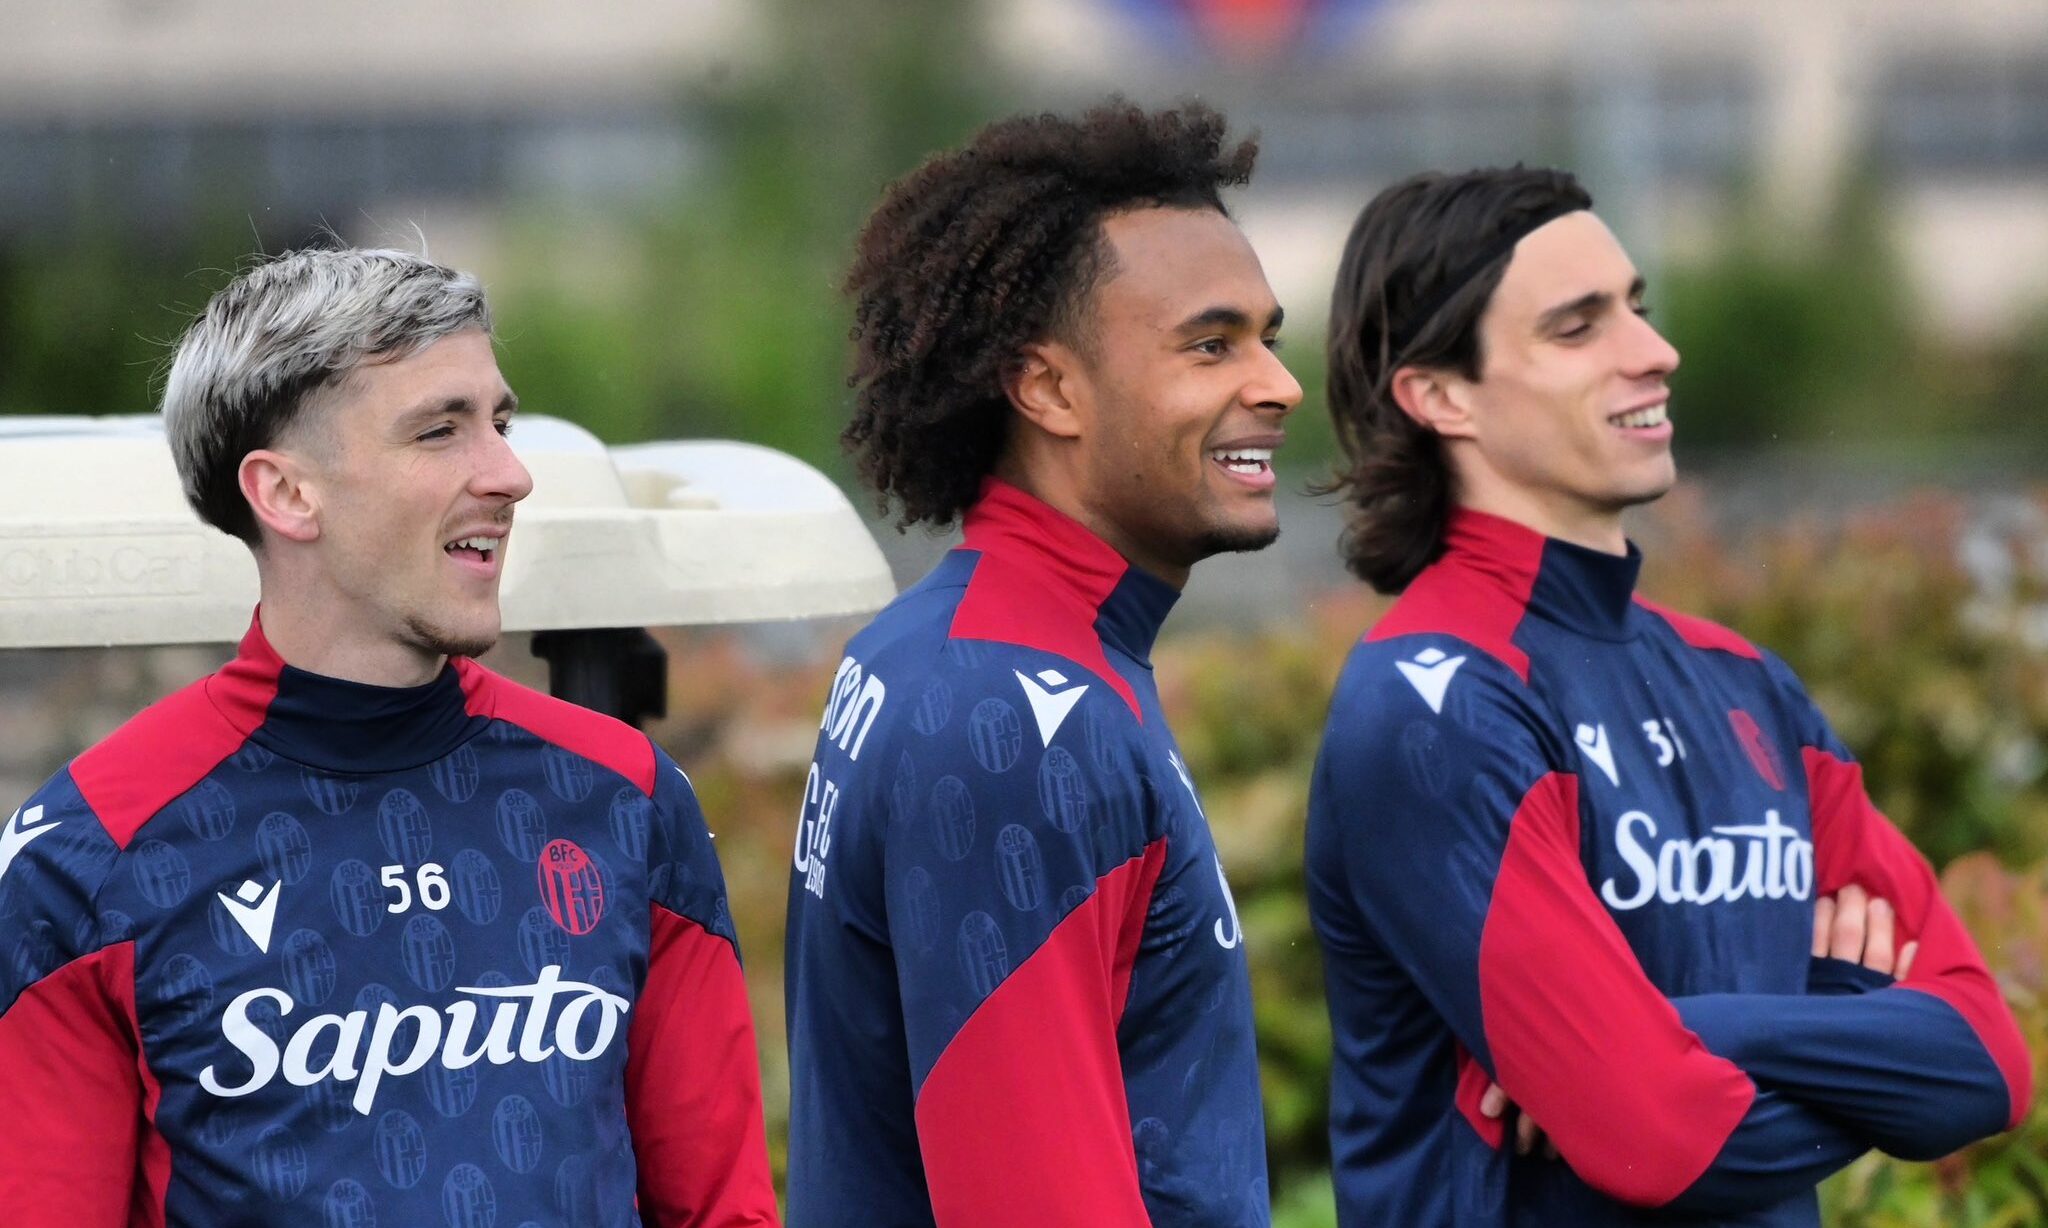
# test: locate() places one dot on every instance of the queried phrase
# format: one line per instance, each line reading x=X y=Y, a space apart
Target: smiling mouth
x=1642 y=419
x=1248 y=462
x=481 y=549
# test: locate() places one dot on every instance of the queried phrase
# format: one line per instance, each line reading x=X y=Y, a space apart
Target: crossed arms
x=1710 y=1103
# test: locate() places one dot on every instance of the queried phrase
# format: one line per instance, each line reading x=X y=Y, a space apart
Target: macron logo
x=1593 y=740
x=1050 y=707
x=22 y=828
x=254 y=918
x=1430 y=674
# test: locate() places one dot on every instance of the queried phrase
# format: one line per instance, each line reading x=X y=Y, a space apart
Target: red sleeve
x=1578 y=1035
x=1023 y=1121
x=1855 y=843
x=1480 y=893
x=75 y=1098
x=693 y=1085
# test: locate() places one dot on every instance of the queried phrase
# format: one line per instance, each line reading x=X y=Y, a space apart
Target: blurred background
x=1841 y=206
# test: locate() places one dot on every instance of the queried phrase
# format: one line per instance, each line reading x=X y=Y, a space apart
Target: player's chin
x=465 y=629
x=1239 y=535
x=1649 y=483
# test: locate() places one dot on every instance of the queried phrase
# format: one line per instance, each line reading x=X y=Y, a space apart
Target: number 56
x=433 y=886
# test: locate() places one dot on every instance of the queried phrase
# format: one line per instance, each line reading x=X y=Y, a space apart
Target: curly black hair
x=986 y=249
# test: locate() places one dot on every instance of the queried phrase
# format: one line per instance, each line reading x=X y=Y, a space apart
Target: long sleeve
x=1899 y=1068
x=1014 y=963
x=693 y=1082
x=74 y=1092
x=1461 y=844
x=1854 y=842
x=1922 y=1068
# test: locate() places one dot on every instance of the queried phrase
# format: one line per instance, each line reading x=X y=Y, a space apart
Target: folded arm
x=1480 y=893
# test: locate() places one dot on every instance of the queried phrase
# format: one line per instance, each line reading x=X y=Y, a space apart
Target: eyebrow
x=507 y=404
x=1229 y=318
x=1593 y=301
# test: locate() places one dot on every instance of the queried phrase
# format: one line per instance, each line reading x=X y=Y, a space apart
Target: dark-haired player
x=1604 y=855
x=1017 y=983
x=354 y=931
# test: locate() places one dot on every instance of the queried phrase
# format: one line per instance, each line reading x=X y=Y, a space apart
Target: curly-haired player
x=1017 y=986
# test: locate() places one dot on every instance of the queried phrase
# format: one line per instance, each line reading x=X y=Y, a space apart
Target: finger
x=1877 y=938
x=1906 y=955
x=1823 y=924
x=1494 y=1102
x=1846 y=939
x=1526 y=1134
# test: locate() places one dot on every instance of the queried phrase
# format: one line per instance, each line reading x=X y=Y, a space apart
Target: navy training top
x=1566 y=840
x=1017 y=989
x=290 y=950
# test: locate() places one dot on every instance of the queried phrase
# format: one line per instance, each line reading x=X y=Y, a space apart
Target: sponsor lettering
x=855 y=702
x=814 y=830
x=528 y=1023
x=1758 y=861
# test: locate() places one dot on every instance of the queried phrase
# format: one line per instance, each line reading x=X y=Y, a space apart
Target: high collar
x=336 y=725
x=1583 y=590
x=1076 y=568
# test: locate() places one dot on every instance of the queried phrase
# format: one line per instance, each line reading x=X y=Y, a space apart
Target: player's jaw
x=457 y=615
x=1237 y=490
x=1637 y=446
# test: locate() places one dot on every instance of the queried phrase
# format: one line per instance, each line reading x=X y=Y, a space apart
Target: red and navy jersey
x=1017 y=989
x=1569 y=841
x=286 y=949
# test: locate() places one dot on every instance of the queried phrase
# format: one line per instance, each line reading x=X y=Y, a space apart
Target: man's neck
x=1064 y=497
x=326 y=636
x=1553 y=516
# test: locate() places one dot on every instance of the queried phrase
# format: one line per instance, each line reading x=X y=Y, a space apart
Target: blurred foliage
x=719 y=312
x=1789 y=337
x=1921 y=628
x=87 y=317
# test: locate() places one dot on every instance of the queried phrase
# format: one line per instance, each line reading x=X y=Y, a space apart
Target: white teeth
x=482 y=545
x=1244 y=460
x=1656 y=415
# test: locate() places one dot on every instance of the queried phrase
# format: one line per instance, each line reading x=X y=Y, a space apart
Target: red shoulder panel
x=1478 y=591
x=593 y=735
x=693 y=1084
x=1040 y=583
x=1022 y=1120
x=79 y=1100
x=1854 y=843
x=171 y=745
x=1700 y=633
x=153 y=1163
x=1555 y=1014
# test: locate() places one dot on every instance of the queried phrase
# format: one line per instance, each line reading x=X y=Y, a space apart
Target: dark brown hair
x=986 y=249
x=1398 y=304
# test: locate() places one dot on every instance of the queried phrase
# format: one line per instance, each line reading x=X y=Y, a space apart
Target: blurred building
x=375 y=111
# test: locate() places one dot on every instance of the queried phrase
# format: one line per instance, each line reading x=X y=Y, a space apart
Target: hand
x=1494 y=1102
x=1852 y=925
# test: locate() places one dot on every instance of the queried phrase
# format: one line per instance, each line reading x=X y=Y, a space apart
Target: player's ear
x=1044 y=385
x=282 y=493
x=1434 y=400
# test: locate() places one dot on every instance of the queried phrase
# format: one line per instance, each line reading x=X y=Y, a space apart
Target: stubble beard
x=447 y=643
x=1235 y=540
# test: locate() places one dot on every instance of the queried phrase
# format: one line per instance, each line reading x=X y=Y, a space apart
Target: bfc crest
x=1757 y=747
x=571 y=887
